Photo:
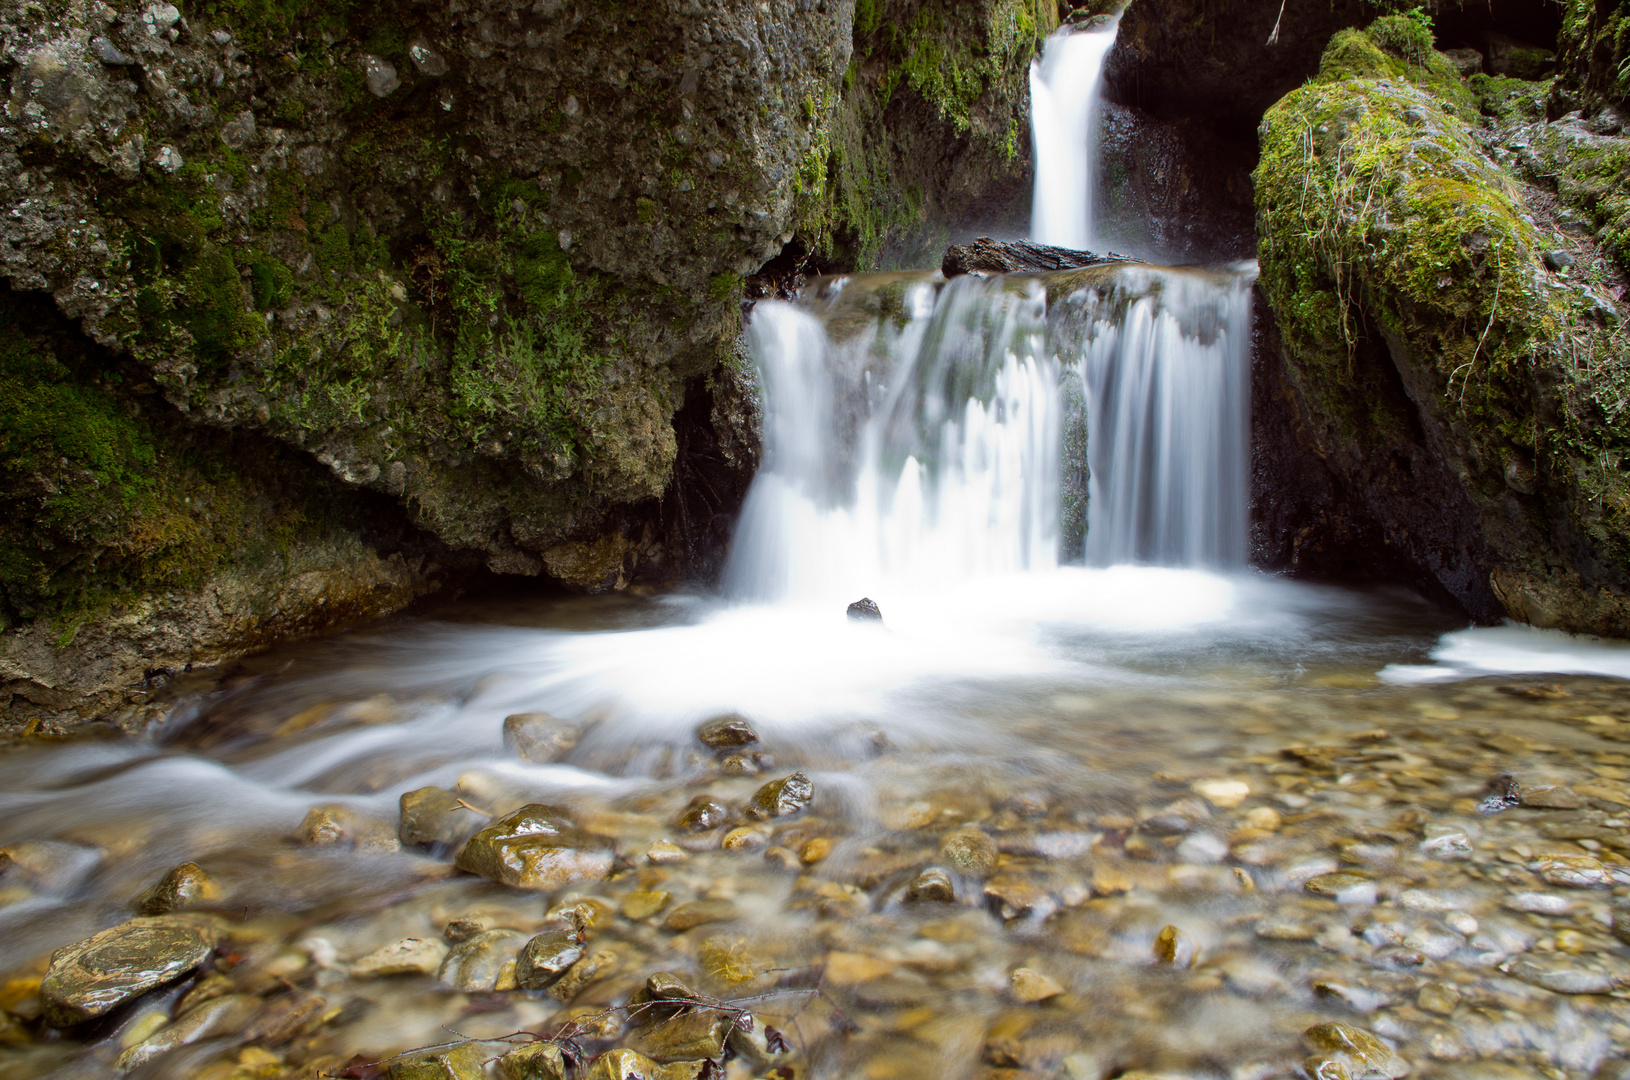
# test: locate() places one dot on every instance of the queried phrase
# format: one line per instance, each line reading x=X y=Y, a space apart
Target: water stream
x=1041 y=480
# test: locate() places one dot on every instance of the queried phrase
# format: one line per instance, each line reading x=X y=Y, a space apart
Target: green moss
x=646 y=209
x=1407 y=36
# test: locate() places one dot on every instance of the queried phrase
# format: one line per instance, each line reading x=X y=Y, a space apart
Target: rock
x=864 y=610
x=535 y=1061
x=47 y=865
x=1224 y=794
x=1342 y=887
x=218 y=1016
x=1580 y=871
x=663 y=997
x=1563 y=975
x=631 y=1065
x=1502 y=793
x=463 y=1061
x=426 y=60
x=970 y=850
x=595 y=966
x=1446 y=842
x=536 y=847
x=727 y=732
x=1440 y=998
x=644 y=903
x=547 y=957
x=1177 y=817
x=539 y=737
x=1018 y=895
x=1203 y=848
x=986 y=256
x=703 y=813
x=782 y=798
x=694 y=1035
x=1031 y=986
x=1558 y=259
x=1467 y=62
x=1621 y=924
x=466 y=927
x=850 y=969
x=699 y=912
x=474 y=965
x=664 y=853
x=90 y=977
x=1549 y=797
x=1365 y=1056
x=338 y=824
x=410 y=956
x=743 y=839
x=1173 y=946
x=105 y=51
x=433 y=815
x=380 y=75
x=738 y=765
x=933 y=885
x=814 y=850
x=1535 y=903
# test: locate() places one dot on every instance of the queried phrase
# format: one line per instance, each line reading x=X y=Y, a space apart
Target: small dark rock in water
x=663 y=997
x=182 y=887
x=546 y=957
x=865 y=610
x=696 y=1035
x=535 y=1061
x=727 y=732
x=783 y=797
x=91 y=977
x=971 y=850
x=987 y=256
x=536 y=847
x=466 y=1061
x=1502 y=793
x=932 y=886
x=702 y=814
x=433 y=815
x=473 y=965
x=539 y=737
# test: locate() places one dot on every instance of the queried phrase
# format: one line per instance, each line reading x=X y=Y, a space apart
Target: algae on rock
x=1474 y=399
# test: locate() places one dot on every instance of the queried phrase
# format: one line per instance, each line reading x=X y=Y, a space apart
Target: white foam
x=1513 y=649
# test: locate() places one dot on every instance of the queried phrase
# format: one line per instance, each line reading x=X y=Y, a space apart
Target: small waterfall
x=1064 y=89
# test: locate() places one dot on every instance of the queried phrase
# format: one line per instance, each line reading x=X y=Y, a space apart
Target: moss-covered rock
x=1593 y=55
x=1471 y=397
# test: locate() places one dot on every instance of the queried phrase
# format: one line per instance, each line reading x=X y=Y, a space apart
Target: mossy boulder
x=1466 y=396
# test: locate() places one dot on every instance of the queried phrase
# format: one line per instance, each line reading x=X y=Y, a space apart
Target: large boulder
x=1463 y=396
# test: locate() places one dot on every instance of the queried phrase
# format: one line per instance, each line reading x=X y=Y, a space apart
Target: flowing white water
x=1064 y=89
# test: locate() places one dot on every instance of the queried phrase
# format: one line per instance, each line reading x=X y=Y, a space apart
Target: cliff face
x=479 y=264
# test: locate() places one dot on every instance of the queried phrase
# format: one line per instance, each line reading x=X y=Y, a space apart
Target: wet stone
x=1365 y=1056
x=1621 y=924
x=1564 y=975
x=738 y=765
x=474 y=965
x=1502 y=793
x=1031 y=986
x=782 y=798
x=970 y=850
x=49 y=865
x=665 y=852
x=702 y=814
x=1172 y=946
x=579 y=975
x=1438 y=998
x=663 y=997
x=1536 y=903
x=466 y=1061
x=695 y=1035
x=433 y=815
x=644 y=903
x=1446 y=842
x=814 y=850
x=1015 y=896
x=1224 y=794
x=536 y=847
x=90 y=977
x=933 y=885
x=864 y=610
x=1550 y=797
x=539 y=737
x=727 y=733
x=547 y=957
x=215 y=1017
x=1580 y=871
x=1342 y=887
x=631 y=1065
x=743 y=839
x=181 y=887
x=535 y=1061
x=698 y=913
x=1177 y=817
x=410 y=956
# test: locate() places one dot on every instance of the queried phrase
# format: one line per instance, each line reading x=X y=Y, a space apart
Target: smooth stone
x=535 y=1061
x=410 y=956
x=536 y=847
x=1438 y=998
x=851 y=969
x=1176 y=817
x=1031 y=986
x=1549 y=797
x=933 y=885
x=464 y=1061
x=474 y=965
x=1173 y=946
x=1366 y=1057
x=47 y=865
x=1202 y=848
x=665 y=852
x=1536 y=903
x=426 y=60
x=1621 y=925
x=181 y=887
x=1342 y=887
x=738 y=765
x=1265 y=818
x=380 y=75
x=814 y=850
x=644 y=903
x=698 y=913
x=1446 y=842
x=466 y=927
x=1563 y=976
x=1223 y=794
x=1579 y=871
x=694 y=1035
x=218 y=1016
x=702 y=814
x=1016 y=896
x=333 y=824
x=547 y=957
x=90 y=977
x=663 y=997
x=579 y=975
x=539 y=737
x=632 y=1065
x=433 y=815
x=782 y=798
x=864 y=610
x=727 y=733
x=970 y=850
x=109 y=53
x=743 y=838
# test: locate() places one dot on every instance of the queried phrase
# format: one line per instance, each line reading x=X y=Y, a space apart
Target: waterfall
x=920 y=433
x=1064 y=86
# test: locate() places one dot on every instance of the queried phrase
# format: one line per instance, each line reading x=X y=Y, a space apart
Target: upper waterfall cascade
x=920 y=432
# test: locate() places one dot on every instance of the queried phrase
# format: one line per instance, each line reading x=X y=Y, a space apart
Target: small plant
x=1407 y=36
